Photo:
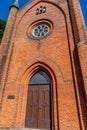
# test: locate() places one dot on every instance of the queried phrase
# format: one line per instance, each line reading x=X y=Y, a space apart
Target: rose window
x=40 y=31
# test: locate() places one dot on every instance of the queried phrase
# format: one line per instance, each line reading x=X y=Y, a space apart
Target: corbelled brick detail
x=62 y=54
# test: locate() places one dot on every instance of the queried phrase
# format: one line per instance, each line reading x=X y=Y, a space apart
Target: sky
x=4 y=7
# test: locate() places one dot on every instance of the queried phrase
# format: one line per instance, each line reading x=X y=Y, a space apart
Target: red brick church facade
x=43 y=67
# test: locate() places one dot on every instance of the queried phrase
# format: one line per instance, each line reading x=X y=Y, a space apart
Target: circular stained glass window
x=40 y=31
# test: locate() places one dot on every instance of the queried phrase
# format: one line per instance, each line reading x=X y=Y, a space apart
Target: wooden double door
x=38 y=112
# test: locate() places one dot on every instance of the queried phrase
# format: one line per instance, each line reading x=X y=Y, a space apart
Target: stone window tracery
x=40 y=30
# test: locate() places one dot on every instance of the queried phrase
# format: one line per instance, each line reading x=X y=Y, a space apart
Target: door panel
x=44 y=107
x=32 y=104
x=38 y=107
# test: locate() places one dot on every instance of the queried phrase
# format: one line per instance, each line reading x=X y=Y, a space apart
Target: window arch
x=40 y=77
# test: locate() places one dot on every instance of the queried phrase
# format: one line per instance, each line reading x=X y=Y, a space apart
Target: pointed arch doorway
x=38 y=110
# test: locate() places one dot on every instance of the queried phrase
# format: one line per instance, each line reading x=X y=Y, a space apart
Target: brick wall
x=57 y=54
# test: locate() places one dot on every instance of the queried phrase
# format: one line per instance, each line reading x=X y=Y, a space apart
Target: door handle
x=39 y=107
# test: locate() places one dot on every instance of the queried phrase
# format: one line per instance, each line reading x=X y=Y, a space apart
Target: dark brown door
x=38 y=107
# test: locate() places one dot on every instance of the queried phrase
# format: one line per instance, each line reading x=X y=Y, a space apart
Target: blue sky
x=4 y=7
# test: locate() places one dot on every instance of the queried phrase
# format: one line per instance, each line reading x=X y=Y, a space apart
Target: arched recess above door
x=40 y=77
x=30 y=67
x=34 y=64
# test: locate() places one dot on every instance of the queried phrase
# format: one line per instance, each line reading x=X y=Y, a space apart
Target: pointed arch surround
x=26 y=79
